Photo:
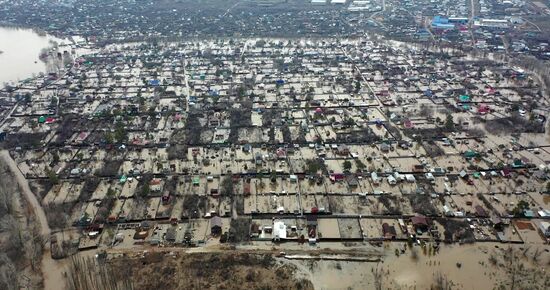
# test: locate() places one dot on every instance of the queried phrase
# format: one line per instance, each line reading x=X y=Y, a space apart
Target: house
x=255 y=230
x=352 y=181
x=480 y=211
x=166 y=198
x=438 y=171
x=336 y=177
x=247 y=148
x=497 y=222
x=141 y=234
x=447 y=210
x=464 y=99
x=293 y=178
x=375 y=179
x=214 y=121
x=430 y=177
x=544 y=228
x=517 y=163
x=410 y=178
x=418 y=168
x=155 y=185
x=318 y=111
x=403 y=144
x=544 y=213
x=311 y=220
x=195 y=151
x=483 y=109
x=342 y=150
x=279 y=230
x=196 y=181
x=420 y=223
x=528 y=213
x=216 y=226
x=392 y=180
x=258 y=158
x=281 y=153
x=214 y=192
x=470 y=154
x=246 y=188
x=506 y=172
x=388 y=231
x=399 y=177
x=170 y=235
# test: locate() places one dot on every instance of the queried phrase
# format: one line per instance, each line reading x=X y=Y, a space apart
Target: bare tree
x=441 y=282
x=8 y=273
x=88 y=274
x=378 y=274
x=11 y=226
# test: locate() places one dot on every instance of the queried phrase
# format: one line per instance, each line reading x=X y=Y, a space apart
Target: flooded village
x=395 y=164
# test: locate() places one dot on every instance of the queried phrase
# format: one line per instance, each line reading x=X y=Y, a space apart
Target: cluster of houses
x=282 y=140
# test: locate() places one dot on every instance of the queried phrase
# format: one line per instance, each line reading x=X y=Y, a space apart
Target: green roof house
x=470 y=154
x=517 y=163
x=464 y=99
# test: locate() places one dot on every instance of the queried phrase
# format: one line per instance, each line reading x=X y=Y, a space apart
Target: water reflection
x=20 y=57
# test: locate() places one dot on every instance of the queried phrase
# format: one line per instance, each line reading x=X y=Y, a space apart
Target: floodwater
x=403 y=272
x=19 y=59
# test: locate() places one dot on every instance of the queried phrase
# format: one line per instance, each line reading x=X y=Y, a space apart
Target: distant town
x=302 y=130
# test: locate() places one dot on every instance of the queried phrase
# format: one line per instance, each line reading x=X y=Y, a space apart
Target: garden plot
x=58 y=193
x=116 y=210
x=310 y=186
x=328 y=228
x=127 y=189
x=349 y=228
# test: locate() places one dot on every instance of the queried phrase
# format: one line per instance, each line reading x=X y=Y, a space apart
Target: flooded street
x=20 y=54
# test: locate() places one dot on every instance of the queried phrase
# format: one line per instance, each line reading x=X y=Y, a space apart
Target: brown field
x=524 y=225
x=158 y=270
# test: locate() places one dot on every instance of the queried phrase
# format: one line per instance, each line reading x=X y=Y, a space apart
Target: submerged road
x=52 y=270
x=27 y=193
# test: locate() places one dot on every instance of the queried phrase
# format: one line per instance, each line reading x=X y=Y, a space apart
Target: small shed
x=216 y=225
x=170 y=235
x=420 y=222
x=388 y=231
x=480 y=211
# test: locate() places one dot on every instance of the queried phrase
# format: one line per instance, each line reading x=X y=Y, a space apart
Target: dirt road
x=27 y=193
x=52 y=270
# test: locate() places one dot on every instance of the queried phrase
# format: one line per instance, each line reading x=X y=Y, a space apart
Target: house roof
x=170 y=234
x=464 y=98
x=419 y=220
x=480 y=211
x=216 y=222
x=387 y=229
x=352 y=180
x=279 y=229
x=311 y=220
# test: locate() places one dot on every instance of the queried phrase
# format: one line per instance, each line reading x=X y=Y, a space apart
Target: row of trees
x=22 y=243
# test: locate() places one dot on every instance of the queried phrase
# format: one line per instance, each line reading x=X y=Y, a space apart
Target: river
x=21 y=48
